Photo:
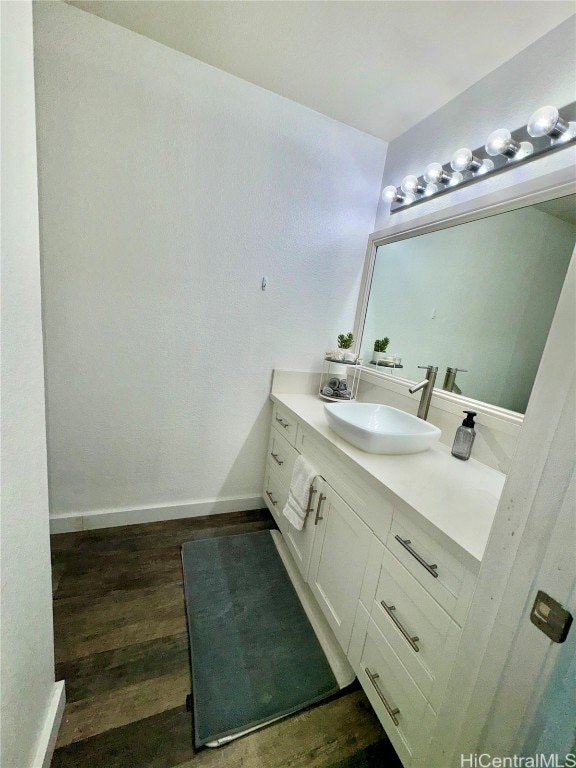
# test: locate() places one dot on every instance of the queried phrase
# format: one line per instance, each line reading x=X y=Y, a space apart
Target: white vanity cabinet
x=406 y=633
x=331 y=550
x=341 y=544
x=393 y=584
x=400 y=705
x=420 y=632
x=280 y=458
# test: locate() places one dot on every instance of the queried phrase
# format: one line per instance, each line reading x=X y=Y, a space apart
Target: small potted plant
x=345 y=341
x=380 y=347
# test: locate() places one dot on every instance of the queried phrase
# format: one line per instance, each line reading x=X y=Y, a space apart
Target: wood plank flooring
x=122 y=647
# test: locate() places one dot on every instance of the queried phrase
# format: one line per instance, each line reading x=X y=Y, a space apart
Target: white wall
x=167 y=190
x=541 y=74
x=27 y=675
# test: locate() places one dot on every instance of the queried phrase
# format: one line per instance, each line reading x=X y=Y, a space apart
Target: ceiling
x=378 y=65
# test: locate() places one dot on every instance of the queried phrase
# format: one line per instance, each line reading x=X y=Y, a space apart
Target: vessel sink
x=380 y=428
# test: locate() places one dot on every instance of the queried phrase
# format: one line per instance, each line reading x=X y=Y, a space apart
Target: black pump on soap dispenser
x=464 y=437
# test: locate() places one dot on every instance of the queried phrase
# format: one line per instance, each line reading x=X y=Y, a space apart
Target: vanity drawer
x=421 y=633
x=285 y=423
x=281 y=456
x=439 y=572
x=275 y=495
x=397 y=700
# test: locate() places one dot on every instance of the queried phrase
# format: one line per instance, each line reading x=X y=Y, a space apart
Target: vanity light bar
x=548 y=131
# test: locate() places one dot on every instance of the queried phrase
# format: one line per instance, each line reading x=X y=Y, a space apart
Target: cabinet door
x=338 y=562
x=300 y=543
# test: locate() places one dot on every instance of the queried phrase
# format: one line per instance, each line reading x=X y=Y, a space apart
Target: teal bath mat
x=254 y=654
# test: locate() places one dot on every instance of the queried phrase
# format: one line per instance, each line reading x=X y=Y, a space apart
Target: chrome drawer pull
x=411 y=640
x=406 y=544
x=271 y=498
x=311 y=493
x=276 y=459
x=282 y=423
x=392 y=712
x=319 y=517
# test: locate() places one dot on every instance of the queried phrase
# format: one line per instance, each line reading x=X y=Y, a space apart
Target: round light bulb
x=431 y=189
x=462 y=160
x=389 y=194
x=543 y=122
x=435 y=174
x=500 y=142
x=411 y=186
x=546 y=121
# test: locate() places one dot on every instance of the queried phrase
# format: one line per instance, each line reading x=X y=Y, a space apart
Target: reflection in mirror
x=478 y=297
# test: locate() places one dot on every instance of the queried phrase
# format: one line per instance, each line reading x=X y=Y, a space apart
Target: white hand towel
x=296 y=508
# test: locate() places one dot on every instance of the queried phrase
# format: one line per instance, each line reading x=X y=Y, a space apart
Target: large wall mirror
x=478 y=297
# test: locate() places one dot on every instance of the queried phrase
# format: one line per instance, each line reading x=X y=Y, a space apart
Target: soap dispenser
x=464 y=437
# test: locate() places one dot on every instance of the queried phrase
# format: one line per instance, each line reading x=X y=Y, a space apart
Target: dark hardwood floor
x=121 y=646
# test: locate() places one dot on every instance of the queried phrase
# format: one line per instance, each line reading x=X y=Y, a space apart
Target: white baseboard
x=49 y=732
x=67 y=522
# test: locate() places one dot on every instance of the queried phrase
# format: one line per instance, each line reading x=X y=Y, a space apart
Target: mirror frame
x=557 y=184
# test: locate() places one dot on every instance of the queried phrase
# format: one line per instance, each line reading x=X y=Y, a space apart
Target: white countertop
x=458 y=498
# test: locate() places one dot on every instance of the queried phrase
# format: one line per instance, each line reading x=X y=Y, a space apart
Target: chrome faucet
x=450 y=380
x=426 y=386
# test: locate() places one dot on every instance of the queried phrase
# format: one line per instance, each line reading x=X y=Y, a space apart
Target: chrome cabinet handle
x=319 y=517
x=311 y=493
x=373 y=676
x=411 y=640
x=276 y=459
x=282 y=423
x=406 y=544
x=271 y=498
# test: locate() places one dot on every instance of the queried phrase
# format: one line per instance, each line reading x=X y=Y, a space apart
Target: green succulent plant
x=345 y=342
x=381 y=345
